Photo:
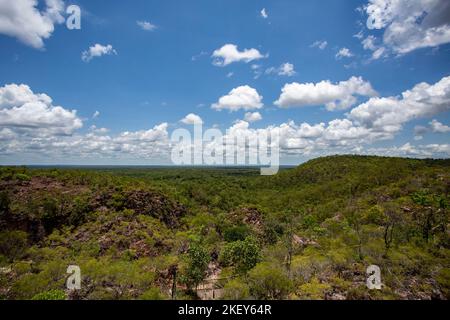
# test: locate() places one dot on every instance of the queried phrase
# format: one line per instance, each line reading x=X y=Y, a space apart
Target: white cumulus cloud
x=286 y=69
x=410 y=25
x=243 y=97
x=252 y=116
x=25 y=112
x=344 y=53
x=23 y=20
x=192 y=118
x=97 y=50
x=334 y=96
x=439 y=127
x=157 y=133
x=319 y=44
x=146 y=25
x=390 y=113
x=229 y=53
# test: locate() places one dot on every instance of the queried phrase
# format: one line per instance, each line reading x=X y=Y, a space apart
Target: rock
x=303 y=241
x=5 y=270
x=155 y=205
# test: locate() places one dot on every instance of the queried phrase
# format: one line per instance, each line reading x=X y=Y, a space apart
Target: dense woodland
x=309 y=232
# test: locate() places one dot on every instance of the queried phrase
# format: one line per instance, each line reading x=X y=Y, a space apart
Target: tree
x=5 y=203
x=243 y=255
x=197 y=265
x=268 y=282
x=289 y=222
x=431 y=215
x=389 y=220
x=355 y=220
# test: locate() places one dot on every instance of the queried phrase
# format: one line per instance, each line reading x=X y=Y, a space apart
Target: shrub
x=13 y=244
x=305 y=267
x=443 y=279
x=51 y=275
x=79 y=211
x=309 y=221
x=152 y=294
x=55 y=294
x=117 y=201
x=236 y=290
x=5 y=202
x=243 y=255
x=117 y=279
x=197 y=265
x=50 y=214
x=313 y=290
x=236 y=233
x=268 y=282
x=22 y=177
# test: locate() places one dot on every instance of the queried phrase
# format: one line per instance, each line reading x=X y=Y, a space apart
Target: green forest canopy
x=158 y=233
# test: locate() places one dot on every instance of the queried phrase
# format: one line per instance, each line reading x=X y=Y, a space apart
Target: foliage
x=152 y=294
x=235 y=233
x=236 y=289
x=197 y=265
x=243 y=255
x=55 y=294
x=313 y=290
x=308 y=232
x=13 y=244
x=268 y=282
x=5 y=203
x=22 y=177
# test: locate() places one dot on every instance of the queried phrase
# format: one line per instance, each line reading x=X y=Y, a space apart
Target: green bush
x=50 y=275
x=197 y=265
x=443 y=279
x=152 y=294
x=54 y=294
x=268 y=282
x=5 y=203
x=236 y=289
x=243 y=255
x=13 y=244
x=22 y=177
x=117 y=279
x=236 y=233
x=313 y=290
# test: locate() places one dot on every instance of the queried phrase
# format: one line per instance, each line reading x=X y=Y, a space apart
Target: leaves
x=308 y=232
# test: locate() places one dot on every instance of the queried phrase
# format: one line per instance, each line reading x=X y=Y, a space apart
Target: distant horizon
x=204 y=165
x=141 y=166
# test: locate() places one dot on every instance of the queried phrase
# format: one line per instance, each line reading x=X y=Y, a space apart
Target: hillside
x=307 y=233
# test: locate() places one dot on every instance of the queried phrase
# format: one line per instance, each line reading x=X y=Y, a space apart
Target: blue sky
x=159 y=76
